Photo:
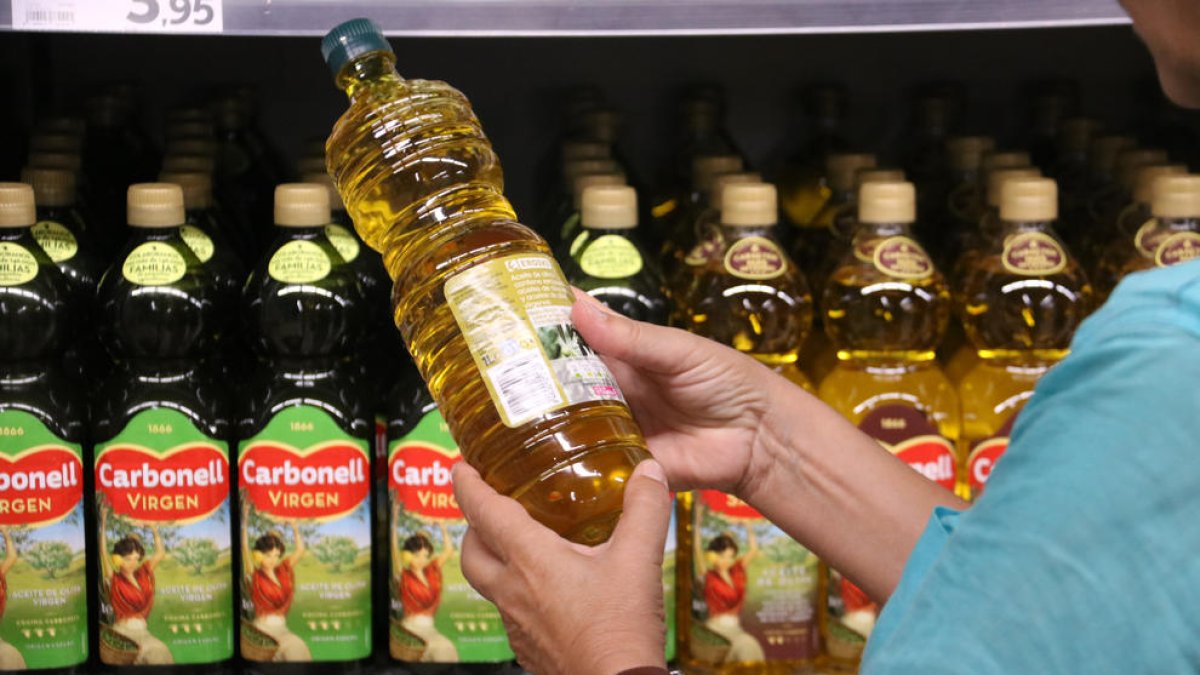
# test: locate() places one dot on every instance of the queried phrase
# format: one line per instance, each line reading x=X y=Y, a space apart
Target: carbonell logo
x=981 y=462
x=420 y=476
x=322 y=482
x=39 y=486
x=930 y=456
x=183 y=484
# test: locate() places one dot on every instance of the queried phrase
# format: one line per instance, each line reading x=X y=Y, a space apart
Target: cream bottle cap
x=864 y=176
x=17 y=207
x=1132 y=160
x=996 y=179
x=1143 y=188
x=609 y=207
x=155 y=205
x=588 y=180
x=1176 y=197
x=196 y=185
x=749 y=205
x=706 y=169
x=726 y=179
x=887 y=202
x=1026 y=200
x=1004 y=160
x=302 y=205
x=51 y=187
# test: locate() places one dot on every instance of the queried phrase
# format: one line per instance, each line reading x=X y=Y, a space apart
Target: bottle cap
x=64 y=143
x=322 y=178
x=573 y=150
x=1102 y=154
x=887 y=202
x=588 y=180
x=967 y=151
x=841 y=167
x=706 y=168
x=1026 y=200
x=56 y=160
x=188 y=163
x=1143 y=188
x=51 y=187
x=301 y=205
x=16 y=205
x=190 y=129
x=350 y=40
x=1075 y=134
x=1004 y=160
x=1130 y=161
x=996 y=179
x=864 y=176
x=1176 y=197
x=749 y=205
x=201 y=147
x=155 y=205
x=726 y=179
x=196 y=186
x=578 y=167
x=609 y=207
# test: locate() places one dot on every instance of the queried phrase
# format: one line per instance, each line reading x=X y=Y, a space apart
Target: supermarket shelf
x=484 y=18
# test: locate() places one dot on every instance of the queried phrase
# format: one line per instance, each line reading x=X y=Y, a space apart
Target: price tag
x=119 y=16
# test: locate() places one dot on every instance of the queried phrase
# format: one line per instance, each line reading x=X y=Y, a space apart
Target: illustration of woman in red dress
x=10 y=658
x=723 y=576
x=271 y=581
x=860 y=610
x=131 y=581
x=418 y=574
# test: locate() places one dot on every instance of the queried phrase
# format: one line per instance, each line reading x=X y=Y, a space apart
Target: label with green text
x=56 y=240
x=344 y=241
x=435 y=615
x=162 y=504
x=43 y=605
x=305 y=487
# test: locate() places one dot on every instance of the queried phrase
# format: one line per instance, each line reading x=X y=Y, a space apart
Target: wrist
x=773 y=447
x=630 y=651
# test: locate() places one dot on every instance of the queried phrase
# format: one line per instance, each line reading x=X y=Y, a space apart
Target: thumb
x=643 y=345
x=642 y=530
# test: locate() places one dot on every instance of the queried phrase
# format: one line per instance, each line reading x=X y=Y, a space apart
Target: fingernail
x=653 y=470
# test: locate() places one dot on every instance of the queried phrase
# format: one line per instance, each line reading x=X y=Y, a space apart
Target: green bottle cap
x=350 y=40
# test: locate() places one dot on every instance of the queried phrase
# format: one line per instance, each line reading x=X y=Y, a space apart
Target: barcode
x=525 y=387
x=49 y=16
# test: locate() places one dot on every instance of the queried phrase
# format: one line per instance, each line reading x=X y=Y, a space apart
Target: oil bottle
x=768 y=318
x=1020 y=307
x=1071 y=164
x=1137 y=232
x=559 y=211
x=208 y=236
x=608 y=260
x=62 y=232
x=681 y=235
x=162 y=430
x=482 y=306
x=809 y=243
x=1170 y=236
x=964 y=156
x=572 y=227
x=1106 y=205
x=802 y=187
x=886 y=307
x=43 y=419
x=968 y=202
x=709 y=243
x=305 y=456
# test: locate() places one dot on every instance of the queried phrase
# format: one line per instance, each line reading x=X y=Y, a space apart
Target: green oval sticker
x=17 y=264
x=610 y=256
x=200 y=243
x=345 y=243
x=56 y=240
x=299 y=262
x=154 y=263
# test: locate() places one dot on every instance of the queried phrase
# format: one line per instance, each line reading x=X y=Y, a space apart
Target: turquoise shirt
x=1083 y=556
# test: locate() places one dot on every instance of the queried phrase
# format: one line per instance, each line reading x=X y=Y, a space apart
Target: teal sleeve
x=1083 y=556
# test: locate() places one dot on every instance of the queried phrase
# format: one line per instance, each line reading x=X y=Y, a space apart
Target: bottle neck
x=883 y=230
x=1180 y=224
x=733 y=232
x=373 y=67
x=1008 y=227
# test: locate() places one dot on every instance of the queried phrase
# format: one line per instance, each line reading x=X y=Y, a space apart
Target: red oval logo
x=39 y=486
x=420 y=475
x=981 y=462
x=187 y=483
x=324 y=482
x=729 y=506
x=930 y=456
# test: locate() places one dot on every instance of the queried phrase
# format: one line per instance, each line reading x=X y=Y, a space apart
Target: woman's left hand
x=570 y=608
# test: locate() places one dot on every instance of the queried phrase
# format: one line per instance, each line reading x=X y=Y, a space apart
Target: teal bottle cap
x=350 y=40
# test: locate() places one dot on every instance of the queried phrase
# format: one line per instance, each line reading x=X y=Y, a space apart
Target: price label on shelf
x=119 y=16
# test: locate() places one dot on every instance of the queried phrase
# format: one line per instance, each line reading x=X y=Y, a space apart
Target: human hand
x=701 y=405
x=570 y=608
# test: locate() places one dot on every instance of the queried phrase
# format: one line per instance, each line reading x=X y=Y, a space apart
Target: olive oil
x=1170 y=236
x=1137 y=233
x=707 y=235
x=423 y=187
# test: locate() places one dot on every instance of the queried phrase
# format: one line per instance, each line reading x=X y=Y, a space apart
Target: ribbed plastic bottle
x=42 y=437
x=482 y=305
x=162 y=430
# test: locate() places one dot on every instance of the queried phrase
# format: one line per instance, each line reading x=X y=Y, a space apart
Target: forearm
x=838 y=492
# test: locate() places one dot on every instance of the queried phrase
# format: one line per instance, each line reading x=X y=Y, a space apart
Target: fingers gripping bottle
x=481 y=303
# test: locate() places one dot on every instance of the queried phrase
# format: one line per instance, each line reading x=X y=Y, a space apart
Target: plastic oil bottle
x=1020 y=307
x=709 y=243
x=802 y=187
x=305 y=456
x=162 y=429
x=1137 y=231
x=810 y=242
x=681 y=235
x=1170 y=236
x=572 y=227
x=1106 y=205
x=482 y=306
x=608 y=260
x=43 y=419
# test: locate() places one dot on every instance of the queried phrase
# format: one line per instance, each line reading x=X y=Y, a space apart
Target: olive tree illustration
x=50 y=557
x=336 y=552
x=196 y=553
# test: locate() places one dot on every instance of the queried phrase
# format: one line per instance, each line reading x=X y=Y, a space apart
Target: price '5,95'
x=178 y=12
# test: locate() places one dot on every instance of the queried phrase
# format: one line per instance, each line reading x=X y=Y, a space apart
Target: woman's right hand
x=701 y=405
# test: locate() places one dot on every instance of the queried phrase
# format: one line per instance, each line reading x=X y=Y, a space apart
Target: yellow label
x=610 y=256
x=902 y=258
x=345 y=243
x=299 y=262
x=515 y=314
x=756 y=258
x=1033 y=254
x=17 y=264
x=198 y=241
x=154 y=263
x=56 y=240
x=1178 y=248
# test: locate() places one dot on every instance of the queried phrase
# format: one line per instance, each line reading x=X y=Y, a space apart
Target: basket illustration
x=707 y=646
x=116 y=649
x=404 y=645
x=257 y=645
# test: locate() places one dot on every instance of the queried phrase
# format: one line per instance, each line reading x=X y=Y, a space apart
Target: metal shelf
x=497 y=18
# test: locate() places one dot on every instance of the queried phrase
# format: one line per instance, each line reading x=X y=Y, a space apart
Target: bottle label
x=610 y=256
x=910 y=435
x=1033 y=254
x=755 y=588
x=864 y=249
x=902 y=258
x=435 y=616
x=162 y=499
x=299 y=262
x=850 y=616
x=154 y=263
x=984 y=455
x=515 y=314
x=17 y=264
x=755 y=258
x=56 y=240
x=346 y=244
x=1178 y=248
x=43 y=604
x=305 y=489
x=670 y=582
x=196 y=239
x=710 y=248
x=1149 y=237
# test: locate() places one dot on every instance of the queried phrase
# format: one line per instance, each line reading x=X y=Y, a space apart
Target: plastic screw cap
x=301 y=205
x=1029 y=200
x=841 y=167
x=587 y=180
x=1176 y=197
x=322 y=178
x=706 y=168
x=717 y=194
x=609 y=207
x=350 y=40
x=155 y=205
x=864 y=176
x=1143 y=190
x=16 y=205
x=196 y=185
x=750 y=205
x=52 y=187
x=887 y=202
x=996 y=179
